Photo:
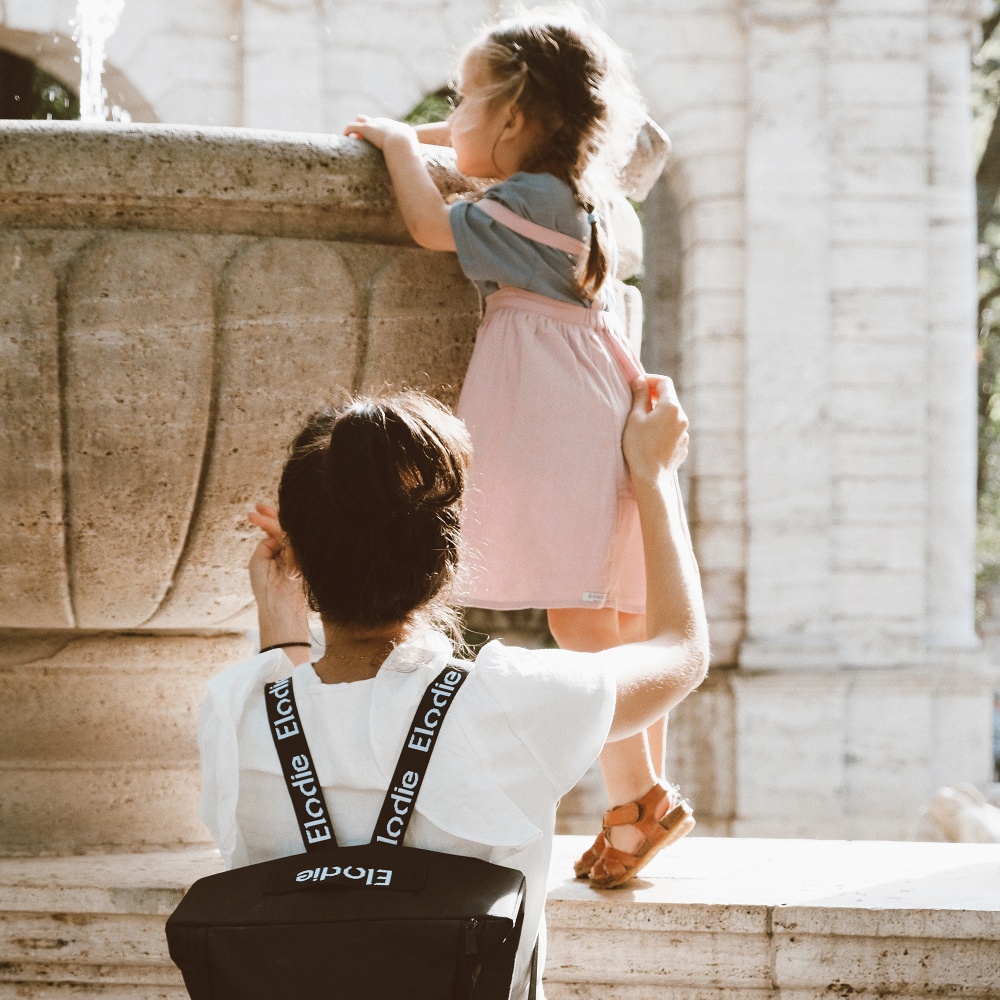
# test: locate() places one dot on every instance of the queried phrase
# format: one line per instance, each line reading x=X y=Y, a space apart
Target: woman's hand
x=381 y=132
x=277 y=584
x=655 y=437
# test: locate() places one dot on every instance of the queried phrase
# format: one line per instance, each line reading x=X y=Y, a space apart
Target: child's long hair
x=569 y=78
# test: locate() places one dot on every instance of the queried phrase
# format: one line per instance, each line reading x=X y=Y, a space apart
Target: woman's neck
x=357 y=654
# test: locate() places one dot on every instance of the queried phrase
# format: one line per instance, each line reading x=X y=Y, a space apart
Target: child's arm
x=434 y=133
x=424 y=210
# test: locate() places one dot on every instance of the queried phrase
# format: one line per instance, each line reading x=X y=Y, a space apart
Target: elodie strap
x=399 y=800
x=297 y=766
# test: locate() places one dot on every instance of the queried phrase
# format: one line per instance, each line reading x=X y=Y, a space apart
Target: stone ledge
x=710 y=917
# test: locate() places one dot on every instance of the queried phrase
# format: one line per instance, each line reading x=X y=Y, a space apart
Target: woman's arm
x=651 y=677
x=424 y=210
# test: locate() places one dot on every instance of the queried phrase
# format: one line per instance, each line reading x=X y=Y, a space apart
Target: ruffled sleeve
x=558 y=704
x=218 y=746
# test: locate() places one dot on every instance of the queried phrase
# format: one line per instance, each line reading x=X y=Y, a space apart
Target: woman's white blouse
x=521 y=732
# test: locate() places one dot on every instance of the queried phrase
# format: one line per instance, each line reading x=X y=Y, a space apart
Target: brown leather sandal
x=589 y=857
x=614 y=868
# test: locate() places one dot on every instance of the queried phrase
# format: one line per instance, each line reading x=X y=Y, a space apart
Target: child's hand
x=655 y=437
x=276 y=582
x=381 y=131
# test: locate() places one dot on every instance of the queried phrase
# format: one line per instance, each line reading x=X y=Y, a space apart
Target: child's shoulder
x=542 y=198
x=524 y=190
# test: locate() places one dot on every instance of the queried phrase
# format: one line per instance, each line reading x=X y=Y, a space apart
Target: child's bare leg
x=626 y=764
x=632 y=628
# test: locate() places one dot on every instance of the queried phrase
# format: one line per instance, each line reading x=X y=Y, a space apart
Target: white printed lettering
x=416 y=743
x=286 y=729
x=411 y=779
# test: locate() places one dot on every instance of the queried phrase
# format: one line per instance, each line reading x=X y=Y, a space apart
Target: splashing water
x=93 y=25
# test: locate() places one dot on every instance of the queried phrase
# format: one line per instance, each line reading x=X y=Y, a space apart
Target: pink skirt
x=550 y=518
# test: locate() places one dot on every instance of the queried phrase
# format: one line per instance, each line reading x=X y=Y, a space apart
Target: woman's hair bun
x=370 y=498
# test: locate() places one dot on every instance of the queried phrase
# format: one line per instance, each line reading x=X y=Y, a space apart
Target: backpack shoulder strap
x=297 y=766
x=397 y=809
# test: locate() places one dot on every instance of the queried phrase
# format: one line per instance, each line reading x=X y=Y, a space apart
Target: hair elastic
x=285 y=645
x=592 y=218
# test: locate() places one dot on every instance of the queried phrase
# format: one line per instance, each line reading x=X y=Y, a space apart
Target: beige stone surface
x=99 y=745
x=708 y=918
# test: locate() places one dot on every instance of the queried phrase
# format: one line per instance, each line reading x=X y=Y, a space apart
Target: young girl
x=551 y=522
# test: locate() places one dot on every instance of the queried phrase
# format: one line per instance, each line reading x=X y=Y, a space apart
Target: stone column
x=789 y=503
x=952 y=427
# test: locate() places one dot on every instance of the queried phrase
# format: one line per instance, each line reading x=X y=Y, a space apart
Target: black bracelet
x=285 y=645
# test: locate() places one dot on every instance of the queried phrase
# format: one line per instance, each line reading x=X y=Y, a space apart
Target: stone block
x=718 y=499
x=724 y=593
x=884 y=129
x=709 y=314
x=877 y=501
x=962 y=736
x=888 y=267
x=879 y=173
x=878 y=220
x=873 y=454
x=721 y=220
x=872 y=407
x=888 y=746
x=34 y=584
x=290 y=314
x=877 y=82
x=422 y=319
x=884 y=592
x=863 y=548
x=701 y=129
x=790 y=750
x=100 y=743
x=717 y=453
x=715 y=407
x=711 y=176
x=139 y=307
x=876 y=36
x=680 y=35
x=705 y=768
x=720 y=546
x=868 y=314
x=715 y=267
x=702 y=81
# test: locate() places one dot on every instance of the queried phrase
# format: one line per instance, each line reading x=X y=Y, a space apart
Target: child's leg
x=632 y=628
x=626 y=764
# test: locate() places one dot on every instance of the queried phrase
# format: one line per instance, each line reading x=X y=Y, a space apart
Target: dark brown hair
x=371 y=499
x=570 y=79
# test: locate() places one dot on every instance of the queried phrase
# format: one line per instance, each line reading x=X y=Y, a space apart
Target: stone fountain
x=175 y=302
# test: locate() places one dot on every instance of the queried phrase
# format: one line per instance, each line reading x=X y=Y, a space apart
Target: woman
x=370 y=502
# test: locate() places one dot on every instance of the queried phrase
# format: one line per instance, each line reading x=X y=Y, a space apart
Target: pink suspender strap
x=530 y=230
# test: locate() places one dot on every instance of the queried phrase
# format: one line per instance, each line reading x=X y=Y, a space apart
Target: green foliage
x=53 y=99
x=434 y=107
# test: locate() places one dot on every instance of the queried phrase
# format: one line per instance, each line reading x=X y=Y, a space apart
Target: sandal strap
x=633 y=813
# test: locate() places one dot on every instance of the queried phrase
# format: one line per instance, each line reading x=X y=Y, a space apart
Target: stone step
x=740 y=919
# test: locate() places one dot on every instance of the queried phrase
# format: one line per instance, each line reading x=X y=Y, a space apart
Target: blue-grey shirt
x=491 y=255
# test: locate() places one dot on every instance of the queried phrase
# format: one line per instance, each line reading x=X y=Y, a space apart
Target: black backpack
x=375 y=922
